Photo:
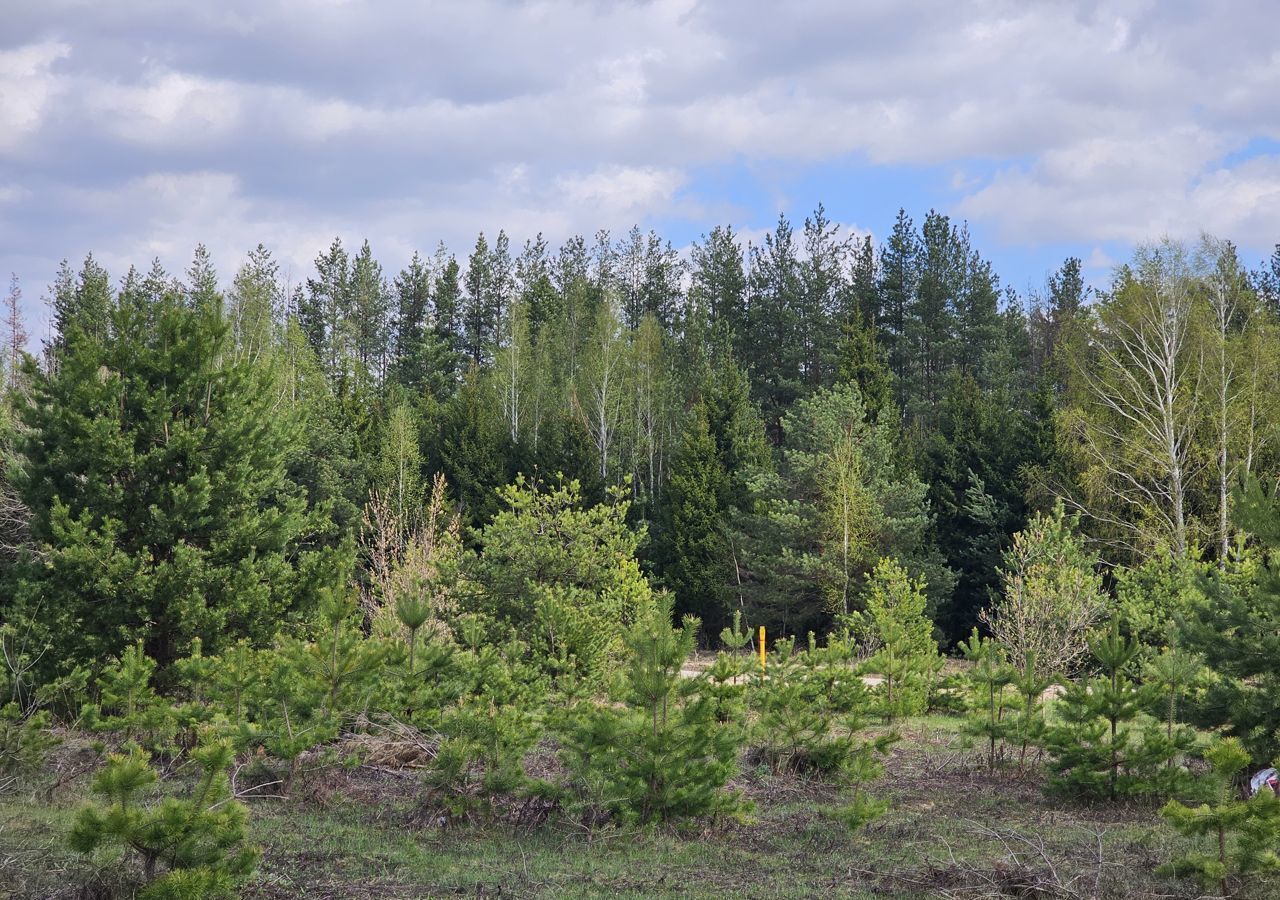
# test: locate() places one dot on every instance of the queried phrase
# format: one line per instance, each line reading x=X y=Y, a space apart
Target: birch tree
x=599 y=397
x=1139 y=405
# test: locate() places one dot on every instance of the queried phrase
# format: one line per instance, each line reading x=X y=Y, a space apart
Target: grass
x=953 y=831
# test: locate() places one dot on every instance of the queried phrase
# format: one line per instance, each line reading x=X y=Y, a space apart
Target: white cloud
x=167 y=109
x=145 y=129
x=620 y=190
x=28 y=85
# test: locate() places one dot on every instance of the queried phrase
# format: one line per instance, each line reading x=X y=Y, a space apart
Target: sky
x=137 y=128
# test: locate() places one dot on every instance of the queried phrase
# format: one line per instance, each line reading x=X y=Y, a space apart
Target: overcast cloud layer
x=138 y=127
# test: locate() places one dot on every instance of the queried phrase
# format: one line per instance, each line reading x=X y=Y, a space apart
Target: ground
x=953 y=831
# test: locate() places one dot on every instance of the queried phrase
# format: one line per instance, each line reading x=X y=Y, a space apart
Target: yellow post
x=761 y=648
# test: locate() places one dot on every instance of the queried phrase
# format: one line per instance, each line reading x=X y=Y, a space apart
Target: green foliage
x=975 y=461
x=906 y=654
x=689 y=535
x=661 y=754
x=1156 y=592
x=483 y=702
x=128 y=704
x=155 y=472
x=849 y=500
x=177 y=847
x=990 y=678
x=1237 y=632
x=563 y=575
x=1099 y=747
x=1052 y=596
x=1242 y=833
x=316 y=686
x=25 y=742
x=1028 y=726
x=1175 y=672
x=734 y=637
x=811 y=712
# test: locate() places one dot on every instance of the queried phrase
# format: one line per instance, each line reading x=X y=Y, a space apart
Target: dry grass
x=955 y=831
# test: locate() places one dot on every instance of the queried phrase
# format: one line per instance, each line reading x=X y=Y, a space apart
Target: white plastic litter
x=1266 y=778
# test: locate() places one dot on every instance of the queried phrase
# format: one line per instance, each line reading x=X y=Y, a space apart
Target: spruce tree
x=82 y=304
x=689 y=535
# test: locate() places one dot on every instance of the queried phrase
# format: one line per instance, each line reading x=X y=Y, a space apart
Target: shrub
x=24 y=743
x=1052 y=597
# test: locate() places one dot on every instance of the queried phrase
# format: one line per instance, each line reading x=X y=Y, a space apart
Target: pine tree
x=156 y=476
x=447 y=305
x=129 y=705
x=822 y=290
x=896 y=290
x=774 y=351
x=1175 y=671
x=1244 y=832
x=661 y=755
x=847 y=501
x=478 y=311
x=562 y=573
x=535 y=286
x=811 y=717
x=1098 y=747
x=201 y=288
x=860 y=362
x=906 y=658
x=989 y=702
x=1236 y=629
x=187 y=847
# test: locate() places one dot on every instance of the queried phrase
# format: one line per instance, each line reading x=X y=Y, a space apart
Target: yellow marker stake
x=761 y=648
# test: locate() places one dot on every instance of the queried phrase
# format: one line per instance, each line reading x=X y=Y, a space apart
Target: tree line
x=779 y=415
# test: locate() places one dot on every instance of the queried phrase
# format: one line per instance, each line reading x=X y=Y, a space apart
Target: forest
x=731 y=552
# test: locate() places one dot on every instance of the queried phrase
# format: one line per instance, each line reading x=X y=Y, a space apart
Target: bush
x=1052 y=597
x=24 y=743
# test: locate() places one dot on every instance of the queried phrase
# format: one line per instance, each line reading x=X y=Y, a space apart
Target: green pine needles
x=1101 y=747
x=1242 y=834
x=176 y=848
x=661 y=754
